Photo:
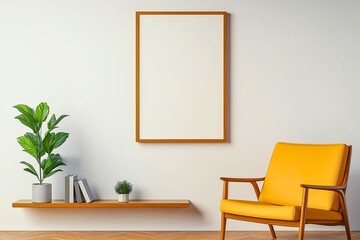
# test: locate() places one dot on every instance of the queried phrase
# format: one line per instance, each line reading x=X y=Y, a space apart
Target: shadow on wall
x=116 y=219
x=58 y=190
x=352 y=198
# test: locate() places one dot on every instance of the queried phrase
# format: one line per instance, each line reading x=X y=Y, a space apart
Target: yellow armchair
x=304 y=184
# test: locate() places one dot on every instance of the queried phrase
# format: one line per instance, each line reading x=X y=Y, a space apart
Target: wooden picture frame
x=181 y=77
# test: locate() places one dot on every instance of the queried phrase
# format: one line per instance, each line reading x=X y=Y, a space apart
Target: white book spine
x=85 y=189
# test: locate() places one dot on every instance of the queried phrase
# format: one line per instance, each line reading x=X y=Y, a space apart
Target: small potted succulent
x=40 y=143
x=123 y=188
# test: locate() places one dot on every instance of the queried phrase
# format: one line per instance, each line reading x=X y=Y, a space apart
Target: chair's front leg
x=273 y=234
x=303 y=213
x=223 y=219
x=223 y=226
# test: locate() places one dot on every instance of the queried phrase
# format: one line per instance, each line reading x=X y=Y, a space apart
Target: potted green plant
x=123 y=188
x=40 y=145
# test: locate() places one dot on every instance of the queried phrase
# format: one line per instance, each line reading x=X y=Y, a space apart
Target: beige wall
x=294 y=76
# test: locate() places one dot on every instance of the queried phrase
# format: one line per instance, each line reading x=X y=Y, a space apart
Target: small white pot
x=123 y=197
x=41 y=193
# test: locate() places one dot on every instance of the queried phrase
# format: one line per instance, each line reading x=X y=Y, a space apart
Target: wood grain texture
x=105 y=204
x=243 y=235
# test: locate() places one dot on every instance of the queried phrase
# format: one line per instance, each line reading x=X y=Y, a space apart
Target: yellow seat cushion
x=271 y=211
x=260 y=210
x=319 y=214
x=294 y=164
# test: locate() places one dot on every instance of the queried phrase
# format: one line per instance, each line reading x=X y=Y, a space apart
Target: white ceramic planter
x=41 y=193
x=123 y=197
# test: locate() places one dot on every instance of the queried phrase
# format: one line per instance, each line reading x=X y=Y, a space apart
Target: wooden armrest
x=226 y=179
x=252 y=181
x=323 y=187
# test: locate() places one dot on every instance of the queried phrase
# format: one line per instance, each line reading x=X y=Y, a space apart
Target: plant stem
x=39 y=155
x=40 y=170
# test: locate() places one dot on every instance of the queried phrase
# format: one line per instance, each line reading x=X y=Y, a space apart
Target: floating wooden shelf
x=105 y=204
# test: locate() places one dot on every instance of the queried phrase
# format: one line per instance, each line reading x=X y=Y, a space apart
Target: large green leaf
x=30 y=168
x=51 y=159
x=55 y=157
x=52 y=162
x=28 y=117
x=53 y=122
x=59 y=119
x=28 y=146
x=34 y=139
x=60 y=138
x=42 y=112
x=30 y=171
x=29 y=122
x=48 y=142
x=45 y=163
x=25 y=109
x=52 y=166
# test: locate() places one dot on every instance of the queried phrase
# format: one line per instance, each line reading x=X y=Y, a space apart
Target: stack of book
x=77 y=190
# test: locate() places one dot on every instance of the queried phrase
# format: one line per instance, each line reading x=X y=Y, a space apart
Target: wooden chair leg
x=223 y=226
x=348 y=233
x=346 y=223
x=345 y=216
x=301 y=230
x=303 y=213
x=272 y=231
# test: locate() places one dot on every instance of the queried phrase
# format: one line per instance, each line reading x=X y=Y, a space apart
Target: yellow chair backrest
x=295 y=164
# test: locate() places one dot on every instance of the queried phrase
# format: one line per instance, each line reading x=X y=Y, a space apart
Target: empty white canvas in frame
x=181 y=76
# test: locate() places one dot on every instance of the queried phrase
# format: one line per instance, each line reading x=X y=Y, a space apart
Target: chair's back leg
x=346 y=223
x=345 y=217
x=348 y=233
x=223 y=226
x=345 y=214
x=272 y=231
